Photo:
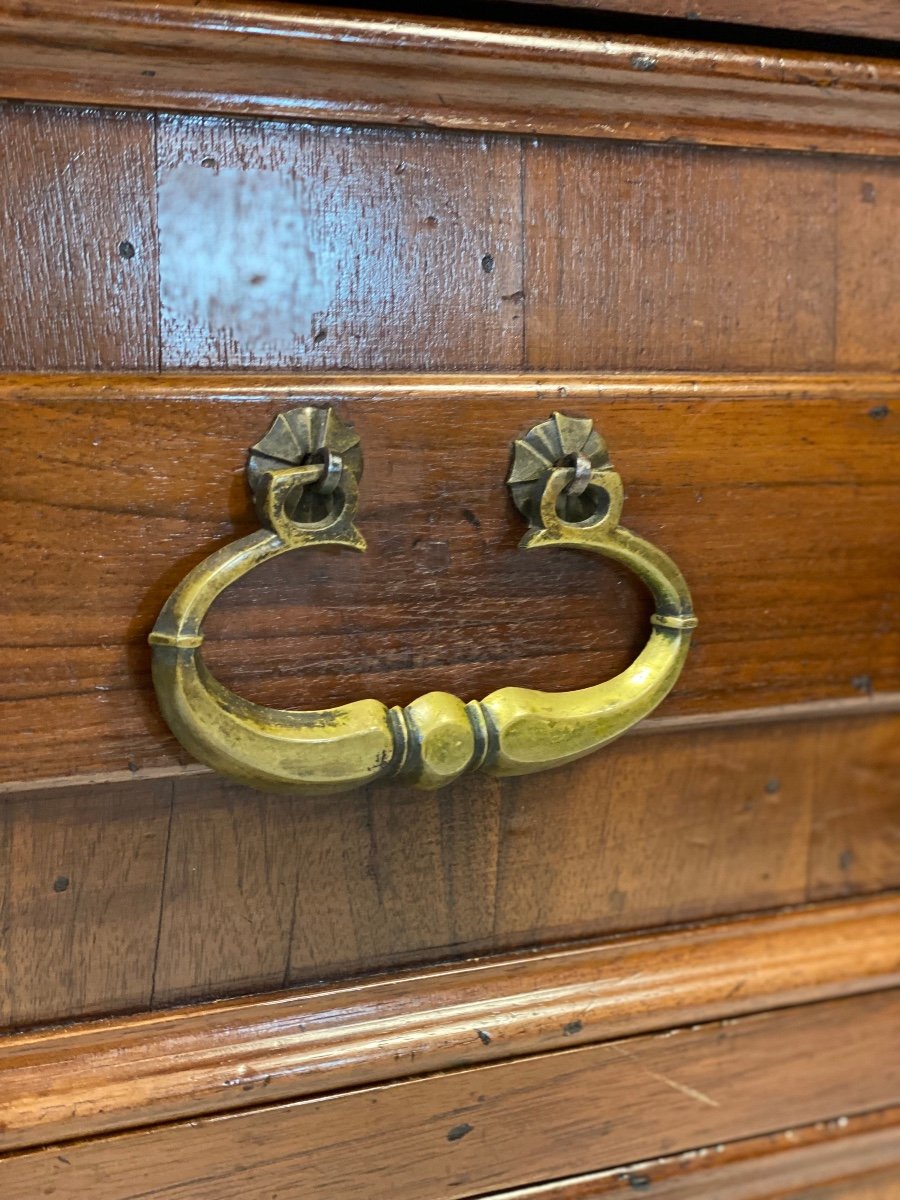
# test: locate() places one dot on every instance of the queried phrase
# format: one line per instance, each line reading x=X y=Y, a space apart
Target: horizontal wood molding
x=98 y=1077
x=104 y=522
x=860 y=18
x=302 y=62
x=261 y=387
x=447 y=1134
x=852 y=1158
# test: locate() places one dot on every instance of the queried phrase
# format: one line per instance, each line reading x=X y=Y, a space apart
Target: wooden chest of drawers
x=669 y=968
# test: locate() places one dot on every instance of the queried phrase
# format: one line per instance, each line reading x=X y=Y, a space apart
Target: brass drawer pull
x=304 y=475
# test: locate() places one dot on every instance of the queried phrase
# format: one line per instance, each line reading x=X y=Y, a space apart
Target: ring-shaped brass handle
x=564 y=483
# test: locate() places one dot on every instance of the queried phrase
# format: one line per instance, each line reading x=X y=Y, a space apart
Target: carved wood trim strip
x=302 y=63
x=506 y=1124
x=99 y=1077
x=335 y=386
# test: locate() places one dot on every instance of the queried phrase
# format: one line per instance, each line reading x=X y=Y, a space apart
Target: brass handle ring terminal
x=304 y=476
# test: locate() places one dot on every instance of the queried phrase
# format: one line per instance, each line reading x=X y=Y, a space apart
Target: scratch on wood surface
x=692 y=1093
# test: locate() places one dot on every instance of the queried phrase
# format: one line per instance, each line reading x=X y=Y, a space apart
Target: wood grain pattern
x=687 y=259
x=810 y=479
x=274 y=253
x=285 y=245
x=231 y=878
x=660 y=829
x=852 y=1158
x=473 y=1130
x=682 y=259
x=77 y=239
x=626 y=256
x=863 y=18
x=868 y=254
x=838 y=857
x=677 y=827
x=80 y=893
x=75 y=1082
x=306 y=63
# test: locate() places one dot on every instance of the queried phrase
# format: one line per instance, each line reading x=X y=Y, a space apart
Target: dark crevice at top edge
x=584 y=20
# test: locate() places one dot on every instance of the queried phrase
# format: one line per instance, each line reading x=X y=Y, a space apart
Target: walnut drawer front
x=670 y=968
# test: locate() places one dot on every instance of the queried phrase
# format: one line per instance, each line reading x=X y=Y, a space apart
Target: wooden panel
x=842 y=855
x=307 y=63
x=296 y=246
x=694 y=259
x=656 y=829
x=80 y=890
x=635 y=256
x=855 y=1158
x=679 y=259
x=77 y=239
x=67 y=1083
x=231 y=878
x=653 y=831
x=769 y=267
x=864 y=18
x=868 y=315
x=452 y=1134
x=809 y=480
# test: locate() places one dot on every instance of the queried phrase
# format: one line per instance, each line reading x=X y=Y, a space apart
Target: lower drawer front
x=471 y=1131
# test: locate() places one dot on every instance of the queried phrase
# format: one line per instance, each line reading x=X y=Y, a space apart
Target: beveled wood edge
x=879 y=704
x=228 y=386
x=101 y=1076
x=301 y=62
x=757 y=1168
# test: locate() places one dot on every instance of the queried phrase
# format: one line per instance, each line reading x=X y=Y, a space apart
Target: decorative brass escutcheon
x=304 y=476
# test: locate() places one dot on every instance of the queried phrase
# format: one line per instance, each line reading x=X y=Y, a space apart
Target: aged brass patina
x=304 y=476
